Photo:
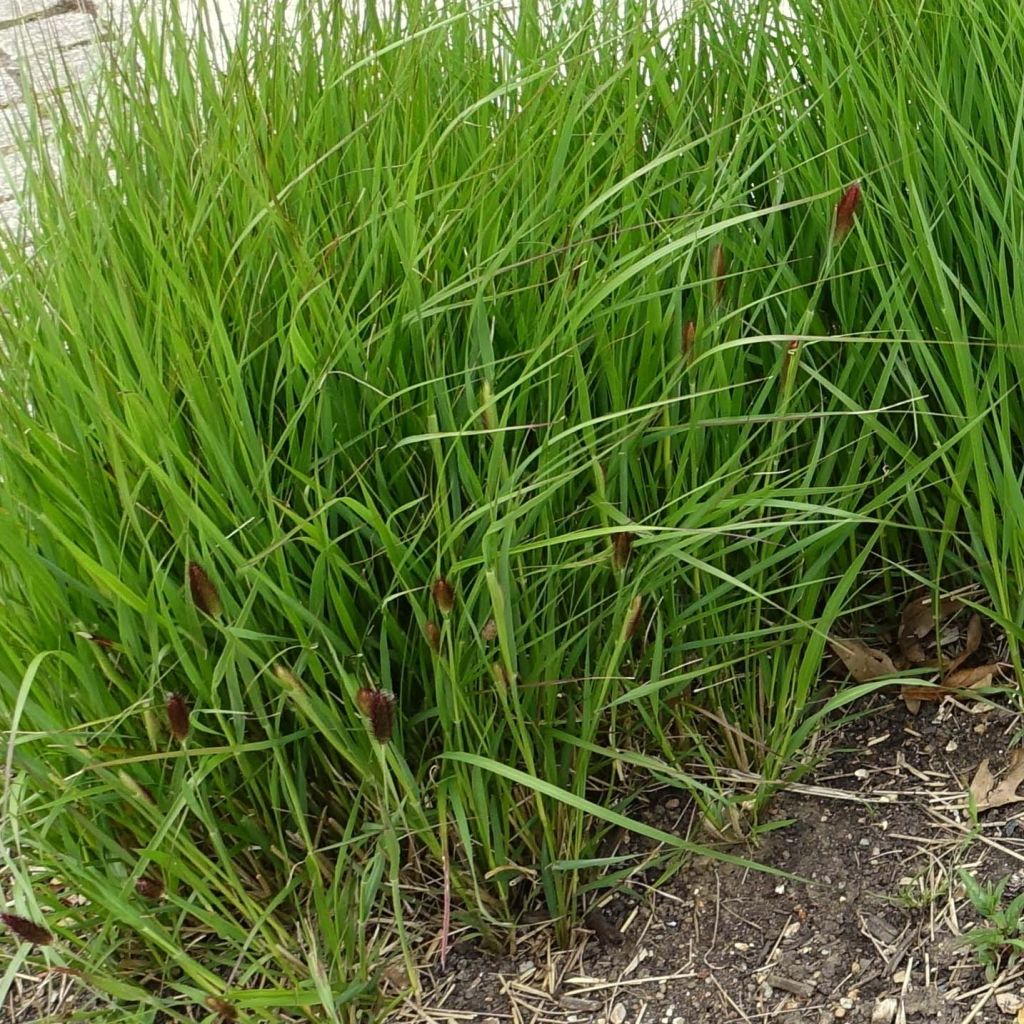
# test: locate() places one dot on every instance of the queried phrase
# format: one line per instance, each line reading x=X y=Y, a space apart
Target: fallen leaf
x=969 y=678
x=912 y=651
x=982 y=784
x=913 y=703
x=919 y=619
x=971 y=644
x=920 y=693
x=1009 y=1002
x=964 y=679
x=863 y=663
x=986 y=792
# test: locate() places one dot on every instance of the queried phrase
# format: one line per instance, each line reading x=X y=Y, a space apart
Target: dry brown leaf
x=913 y=703
x=974 y=633
x=982 y=784
x=964 y=679
x=918 y=620
x=987 y=793
x=920 y=693
x=862 y=662
x=971 y=644
x=969 y=678
x=913 y=652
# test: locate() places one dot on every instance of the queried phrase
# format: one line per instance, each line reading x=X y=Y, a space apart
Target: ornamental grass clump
x=475 y=415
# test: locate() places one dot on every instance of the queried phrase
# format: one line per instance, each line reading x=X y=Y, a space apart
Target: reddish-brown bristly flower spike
x=718 y=271
x=26 y=930
x=444 y=596
x=204 y=593
x=150 y=888
x=845 y=210
x=689 y=337
x=622 y=545
x=379 y=708
x=433 y=635
x=177 y=717
x=222 y=1007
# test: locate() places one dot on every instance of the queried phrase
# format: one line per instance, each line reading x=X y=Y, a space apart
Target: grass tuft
x=544 y=371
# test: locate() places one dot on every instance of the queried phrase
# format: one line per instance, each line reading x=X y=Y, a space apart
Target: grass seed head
x=622 y=546
x=689 y=336
x=137 y=788
x=287 y=677
x=500 y=676
x=204 y=593
x=26 y=930
x=845 y=210
x=150 y=888
x=222 y=1007
x=636 y=607
x=487 y=406
x=379 y=708
x=178 y=717
x=719 y=268
x=433 y=635
x=444 y=595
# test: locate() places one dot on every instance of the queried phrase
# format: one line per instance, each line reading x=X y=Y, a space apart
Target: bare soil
x=879 y=832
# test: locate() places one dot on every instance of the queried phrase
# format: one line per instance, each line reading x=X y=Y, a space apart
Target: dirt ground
x=880 y=832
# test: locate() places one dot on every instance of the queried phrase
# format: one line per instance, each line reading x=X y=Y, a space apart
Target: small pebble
x=618 y=1014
